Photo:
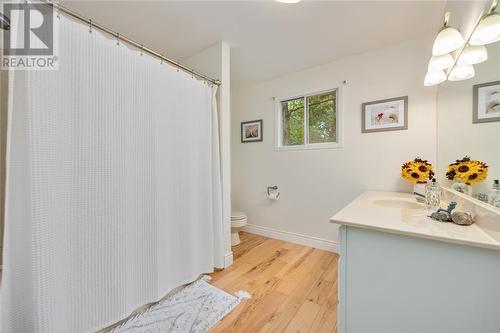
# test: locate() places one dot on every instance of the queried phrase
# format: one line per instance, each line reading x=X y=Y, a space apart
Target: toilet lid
x=237 y=215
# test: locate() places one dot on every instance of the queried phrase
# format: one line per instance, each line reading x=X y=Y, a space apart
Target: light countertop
x=400 y=213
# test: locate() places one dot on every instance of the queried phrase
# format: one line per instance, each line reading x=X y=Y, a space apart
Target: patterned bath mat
x=194 y=309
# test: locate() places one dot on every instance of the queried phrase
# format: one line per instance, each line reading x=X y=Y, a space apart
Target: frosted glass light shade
x=434 y=77
x=462 y=72
x=473 y=54
x=488 y=31
x=288 y=1
x=439 y=63
x=447 y=41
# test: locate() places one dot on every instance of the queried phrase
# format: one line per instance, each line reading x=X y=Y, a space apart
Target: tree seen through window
x=309 y=120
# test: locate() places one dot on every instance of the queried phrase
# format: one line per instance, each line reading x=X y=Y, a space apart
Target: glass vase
x=419 y=191
x=462 y=188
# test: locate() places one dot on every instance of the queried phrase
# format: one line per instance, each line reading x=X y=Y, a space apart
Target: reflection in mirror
x=469 y=125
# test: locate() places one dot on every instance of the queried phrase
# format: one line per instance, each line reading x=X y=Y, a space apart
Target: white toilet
x=238 y=221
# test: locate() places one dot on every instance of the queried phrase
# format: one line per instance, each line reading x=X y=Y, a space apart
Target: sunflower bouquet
x=467 y=171
x=418 y=171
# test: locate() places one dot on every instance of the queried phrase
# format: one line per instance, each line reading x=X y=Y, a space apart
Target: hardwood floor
x=293 y=287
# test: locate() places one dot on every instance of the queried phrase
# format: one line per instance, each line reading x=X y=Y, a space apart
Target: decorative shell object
x=442 y=216
x=462 y=218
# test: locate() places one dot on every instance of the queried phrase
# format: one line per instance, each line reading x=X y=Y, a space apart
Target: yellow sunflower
x=470 y=172
x=417 y=171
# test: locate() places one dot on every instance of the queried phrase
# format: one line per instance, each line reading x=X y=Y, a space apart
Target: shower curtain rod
x=125 y=39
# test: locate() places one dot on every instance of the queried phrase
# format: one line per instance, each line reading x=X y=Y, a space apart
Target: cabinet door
x=394 y=283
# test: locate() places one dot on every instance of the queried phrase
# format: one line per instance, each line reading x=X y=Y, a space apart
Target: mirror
x=468 y=118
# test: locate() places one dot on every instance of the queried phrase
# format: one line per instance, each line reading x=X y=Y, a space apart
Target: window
x=309 y=121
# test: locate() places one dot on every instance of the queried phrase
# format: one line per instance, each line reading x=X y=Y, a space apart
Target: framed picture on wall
x=385 y=115
x=486 y=102
x=251 y=131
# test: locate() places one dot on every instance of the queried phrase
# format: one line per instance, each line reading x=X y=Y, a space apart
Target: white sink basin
x=398 y=203
x=400 y=213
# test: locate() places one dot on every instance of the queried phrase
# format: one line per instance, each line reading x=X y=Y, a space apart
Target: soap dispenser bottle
x=432 y=195
x=495 y=194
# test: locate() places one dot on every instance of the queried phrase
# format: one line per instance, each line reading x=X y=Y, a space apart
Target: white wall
x=215 y=62
x=315 y=184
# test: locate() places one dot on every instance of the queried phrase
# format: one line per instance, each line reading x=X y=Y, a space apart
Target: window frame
x=278 y=146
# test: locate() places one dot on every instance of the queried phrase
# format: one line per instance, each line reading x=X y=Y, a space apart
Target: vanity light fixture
x=473 y=54
x=448 y=40
x=439 y=63
x=461 y=72
x=434 y=77
x=488 y=29
x=288 y=1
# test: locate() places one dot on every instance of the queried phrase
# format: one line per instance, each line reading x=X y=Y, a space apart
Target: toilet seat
x=237 y=215
x=238 y=223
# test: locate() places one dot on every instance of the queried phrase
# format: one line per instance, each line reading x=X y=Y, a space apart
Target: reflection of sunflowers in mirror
x=417 y=171
x=467 y=171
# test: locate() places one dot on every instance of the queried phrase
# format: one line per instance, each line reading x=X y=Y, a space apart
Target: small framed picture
x=385 y=115
x=486 y=107
x=251 y=131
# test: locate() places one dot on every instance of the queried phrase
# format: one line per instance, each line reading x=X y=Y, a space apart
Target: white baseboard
x=318 y=243
x=228 y=259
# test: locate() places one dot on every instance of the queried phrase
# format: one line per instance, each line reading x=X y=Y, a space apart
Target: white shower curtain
x=113 y=186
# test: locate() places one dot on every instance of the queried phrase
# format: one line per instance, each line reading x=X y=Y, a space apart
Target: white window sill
x=333 y=145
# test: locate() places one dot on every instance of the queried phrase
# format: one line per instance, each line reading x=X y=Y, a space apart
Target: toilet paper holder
x=269 y=188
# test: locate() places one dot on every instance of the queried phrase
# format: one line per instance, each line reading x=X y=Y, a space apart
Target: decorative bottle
x=495 y=194
x=432 y=195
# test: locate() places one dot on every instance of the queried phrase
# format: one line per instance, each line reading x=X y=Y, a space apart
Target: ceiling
x=267 y=38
